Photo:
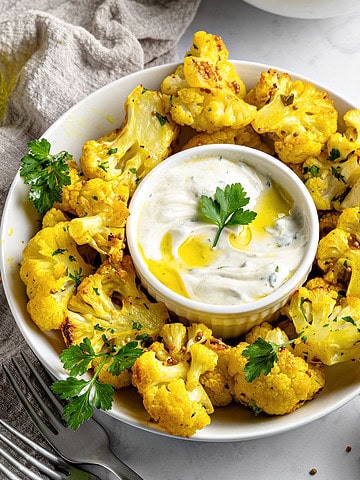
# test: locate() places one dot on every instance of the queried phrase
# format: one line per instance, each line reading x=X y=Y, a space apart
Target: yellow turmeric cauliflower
x=167 y=376
x=218 y=383
x=53 y=216
x=338 y=253
x=333 y=178
x=129 y=153
x=349 y=140
x=328 y=325
x=290 y=383
x=299 y=117
x=109 y=304
x=205 y=92
x=51 y=268
x=243 y=136
x=70 y=192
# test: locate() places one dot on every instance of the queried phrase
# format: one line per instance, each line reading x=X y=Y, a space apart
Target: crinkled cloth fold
x=52 y=54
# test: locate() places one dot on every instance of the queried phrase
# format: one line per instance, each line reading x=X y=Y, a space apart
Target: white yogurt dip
x=249 y=261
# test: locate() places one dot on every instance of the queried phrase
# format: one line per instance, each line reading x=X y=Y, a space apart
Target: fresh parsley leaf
x=58 y=251
x=68 y=388
x=334 y=154
x=78 y=411
x=226 y=209
x=349 y=320
x=261 y=358
x=313 y=170
x=125 y=358
x=104 y=165
x=162 y=119
x=85 y=395
x=76 y=358
x=46 y=174
x=112 y=151
x=76 y=276
x=103 y=396
x=337 y=174
x=136 y=325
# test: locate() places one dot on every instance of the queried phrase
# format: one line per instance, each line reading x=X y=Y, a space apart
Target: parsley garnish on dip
x=249 y=260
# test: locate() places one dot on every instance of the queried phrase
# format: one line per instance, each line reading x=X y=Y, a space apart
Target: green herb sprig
x=226 y=209
x=262 y=356
x=46 y=174
x=85 y=395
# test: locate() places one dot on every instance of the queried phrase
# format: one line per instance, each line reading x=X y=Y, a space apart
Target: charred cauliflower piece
x=290 y=383
x=129 y=153
x=329 y=325
x=168 y=377
x=205 y=92
x=338 y=253
x=108 y=304
x=51 y=268
x=299 y=117
x=102 y=210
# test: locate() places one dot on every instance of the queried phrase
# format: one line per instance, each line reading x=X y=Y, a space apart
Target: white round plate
x=92 y=117
x=307 y=8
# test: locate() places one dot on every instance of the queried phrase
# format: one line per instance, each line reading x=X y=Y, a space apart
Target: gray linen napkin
x=52 y=54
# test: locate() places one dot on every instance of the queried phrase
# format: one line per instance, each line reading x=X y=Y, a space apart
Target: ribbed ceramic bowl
x=225 y=320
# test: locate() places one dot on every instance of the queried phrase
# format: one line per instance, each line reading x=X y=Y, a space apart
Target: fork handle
x=114 y=468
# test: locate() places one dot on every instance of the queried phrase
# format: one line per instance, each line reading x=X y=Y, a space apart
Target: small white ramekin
x=226 y=320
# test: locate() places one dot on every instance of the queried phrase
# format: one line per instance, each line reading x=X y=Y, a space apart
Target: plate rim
x=203 y=435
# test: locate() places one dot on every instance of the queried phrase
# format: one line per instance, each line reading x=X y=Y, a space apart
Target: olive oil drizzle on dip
x=249 y=261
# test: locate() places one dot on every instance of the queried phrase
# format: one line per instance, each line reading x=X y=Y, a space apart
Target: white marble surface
x=327 y=51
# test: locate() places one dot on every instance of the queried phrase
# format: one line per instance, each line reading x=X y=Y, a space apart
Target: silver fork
x=88 y=446
x=54 y=467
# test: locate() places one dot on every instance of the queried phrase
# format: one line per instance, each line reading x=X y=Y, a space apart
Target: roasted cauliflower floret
x=174 y=337
x=97 y=232
x=175 y=409
x=108 y=305
x=129 y=153
x=327 y=323
x=338 y=253
x=290 y=383
x=327 y=222
x=205 y=92
x=348 y=141
x=267 y=332
x=333 y=180
x=218 y=383
x=51 y=268
x=54 y=216
x=299 y=117
x=243 y=136
x=224 y=136
x=99 y=196
x=70 y=192
x=100 y=214
x=168 y=378
x=102 y=210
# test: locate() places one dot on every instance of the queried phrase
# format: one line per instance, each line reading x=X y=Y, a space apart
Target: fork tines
x=54 y=467
x=55 y=421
